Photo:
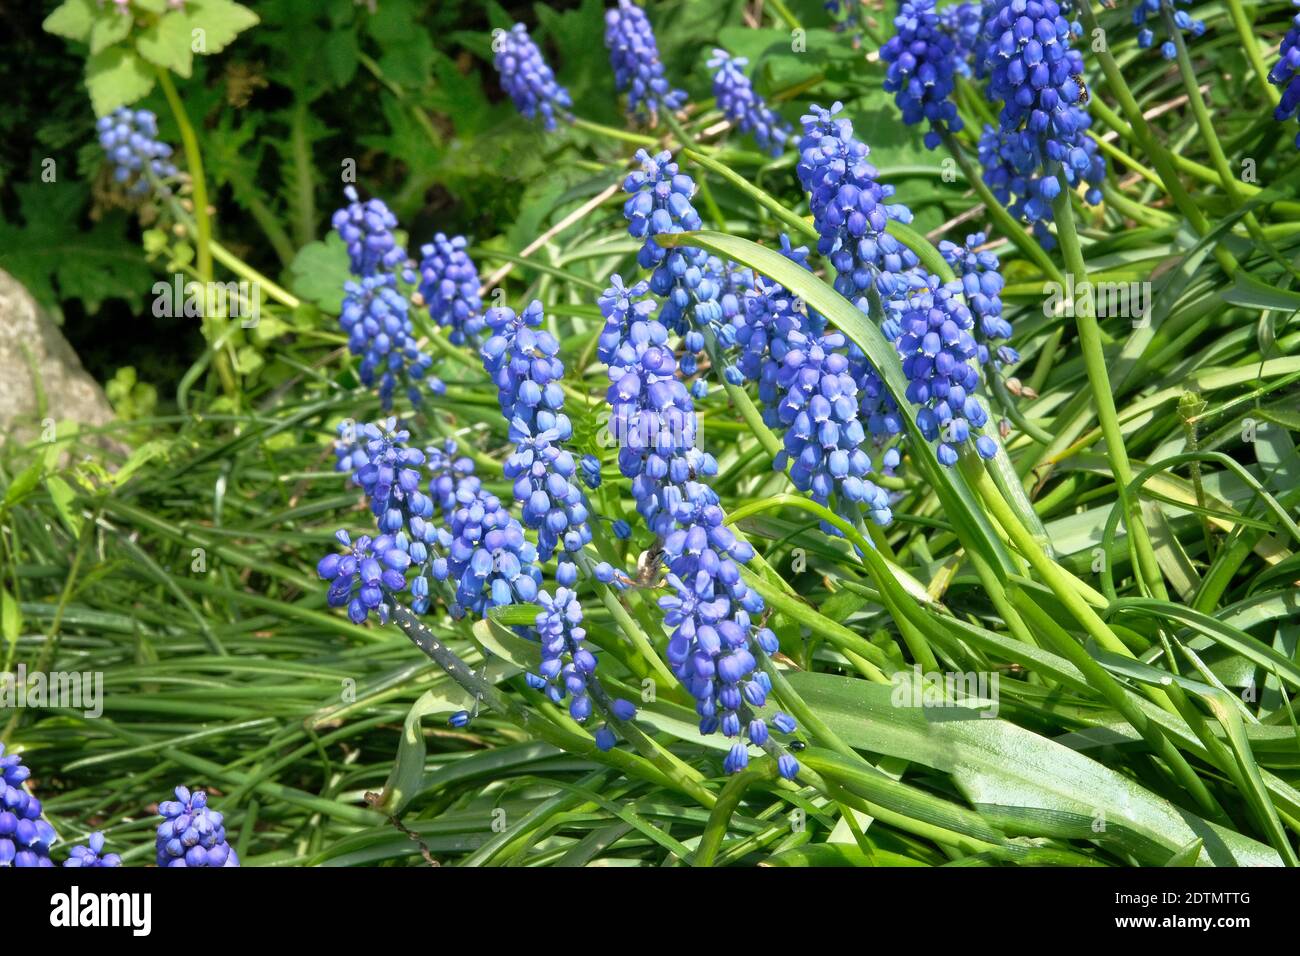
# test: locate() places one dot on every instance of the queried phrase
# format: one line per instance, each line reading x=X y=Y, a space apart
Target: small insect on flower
x=648 y=566
x=1080 y=82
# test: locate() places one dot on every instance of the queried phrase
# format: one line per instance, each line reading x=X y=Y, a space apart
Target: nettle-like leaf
x=73 y=20
x=117 y=77
x=169 y=43
x=58 y=261
x=318 y=272
x=127 y=48
x=220 y=22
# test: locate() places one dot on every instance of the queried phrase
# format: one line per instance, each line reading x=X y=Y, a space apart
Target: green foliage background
x=175 y=550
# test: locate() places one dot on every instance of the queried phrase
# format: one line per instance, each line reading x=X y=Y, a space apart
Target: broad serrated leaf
x=117 y=77
x=214 y=24
x=58 y=261
x=108 y=30
x=318 y=272
x=167 y=43
x=72 y=19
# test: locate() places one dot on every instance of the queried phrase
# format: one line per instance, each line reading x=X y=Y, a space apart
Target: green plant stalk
x=1205 y=124
x=609 y=131
x=1100 y=680
x=784 y=13
x=1251 y=45
x=728 y=800
x=423 y=638
x=202 y=219
x=241 y=268
x=194 y=160
x=916 y=642
x=1015 y=232
x=1057 y=579
x=1103 y=397
x=1146 y=139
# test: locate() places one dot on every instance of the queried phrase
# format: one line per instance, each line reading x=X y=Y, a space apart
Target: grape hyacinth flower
x=937 y=349
x=846 y=17
x=567 y=665
x=590 y=466
x=982 y=283
x=191 y=834
x=368 y=231
x=695 y=287
x=743 y=107
x=523 y=360
x=487 y=558
x=709 y=608
x=130 y=138
x=1182 y=20
x=1038 y=77
x=449 y=285
x=90 y=856
x=452 y=475
x=638 y=71
x=388 y=471
x=922 y=59
x=383 y=465
x=24 y=837
x=529 y=81
x=364 y=576
x=1285 y=74
x=962 y=22
x=851 y=210
x=375 y=317
x=824 y=435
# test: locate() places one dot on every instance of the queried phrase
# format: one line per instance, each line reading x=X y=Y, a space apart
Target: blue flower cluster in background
x=452 y=476
x=369 y=231
x=567 y=665
x=449 y=284
x=24 y=837
x=523 y=360
x=376 y=319
x=824 y=434
x=851 y=210
x=638 y=71
x=698 y=291
x=528 y=80
x=962 y=22
x=939 y=354
x=923 y=60
x=1038 y=77
x=982 y=284
x=1285 y=74
x=192 y=834
x=1183 y=21
x=375 y=313
x=93 y=855
x=130 y=138
x=710 y=607
x=743 y=107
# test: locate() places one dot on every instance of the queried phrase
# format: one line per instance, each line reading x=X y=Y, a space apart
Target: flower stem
x=1251 y=45
x=1146 y=139
x=202 y=220
x=1094 y=360
x=1021 y=239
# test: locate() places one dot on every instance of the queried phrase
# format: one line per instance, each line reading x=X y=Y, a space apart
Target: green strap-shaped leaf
x=968 y=519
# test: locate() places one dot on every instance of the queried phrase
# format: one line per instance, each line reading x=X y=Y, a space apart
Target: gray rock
x=31 y=342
